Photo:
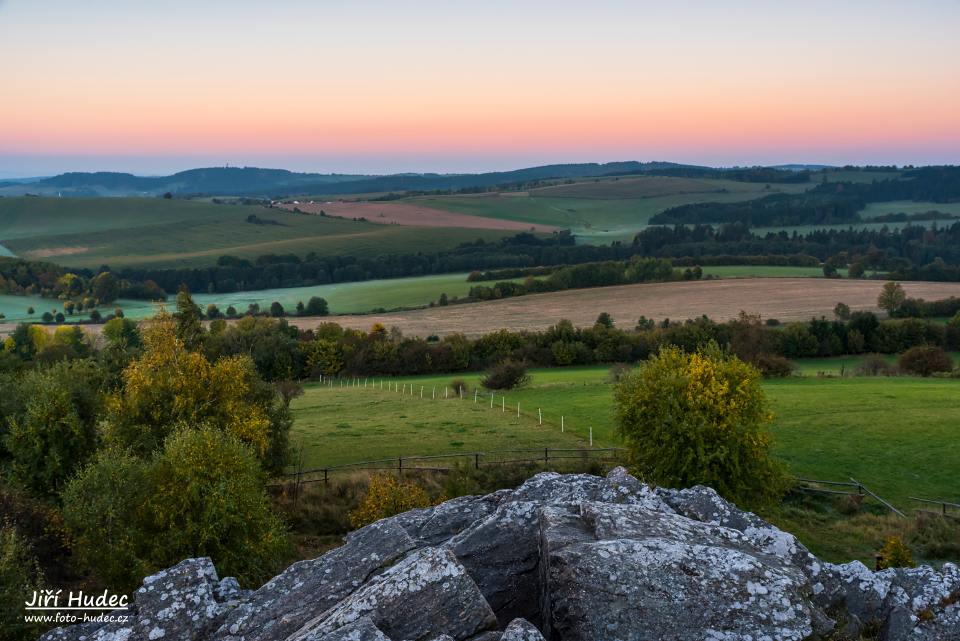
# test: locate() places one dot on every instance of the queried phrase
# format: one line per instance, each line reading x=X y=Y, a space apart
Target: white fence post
x=561 y=425
x=540 y=416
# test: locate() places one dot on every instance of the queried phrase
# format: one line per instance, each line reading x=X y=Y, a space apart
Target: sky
x=377 y=86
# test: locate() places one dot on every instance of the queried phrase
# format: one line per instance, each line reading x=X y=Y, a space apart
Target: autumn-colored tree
x=891 y=296
x=170 y=386
x=386 y=496
x=188 y=316
x=700 y=418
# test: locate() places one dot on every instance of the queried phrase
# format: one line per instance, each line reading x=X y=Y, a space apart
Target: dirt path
x=787 y=299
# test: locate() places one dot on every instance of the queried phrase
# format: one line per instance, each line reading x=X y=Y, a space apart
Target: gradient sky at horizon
x=374 y=86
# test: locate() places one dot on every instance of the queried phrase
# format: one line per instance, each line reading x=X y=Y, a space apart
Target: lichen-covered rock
x=362 y=629
x=427 y=593
x=435 y=525
x=578 y=557
x=501 y=554
x=625 y=572
x=308 y=588
x=520 y=630
x=177 y=604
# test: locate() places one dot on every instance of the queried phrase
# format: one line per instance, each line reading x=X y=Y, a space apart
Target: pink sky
x=438 y=85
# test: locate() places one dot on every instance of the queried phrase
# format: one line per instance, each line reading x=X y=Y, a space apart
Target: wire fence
x=432 y=392
x=498 y=402
x=854 y=487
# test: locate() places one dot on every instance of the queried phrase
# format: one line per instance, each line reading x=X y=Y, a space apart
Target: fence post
x=476 y=461
x=561 y=425
x=421 y=391
x=399 y=467
x=491 y=400
x=324 y=476
x=539 y=416
x=475 y=392
x=591 y=436
x=546 y=456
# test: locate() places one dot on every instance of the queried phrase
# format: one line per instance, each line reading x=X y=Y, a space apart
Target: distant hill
x=253 y=181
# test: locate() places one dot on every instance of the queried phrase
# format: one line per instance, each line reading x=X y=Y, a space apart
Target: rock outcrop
x=561 y=558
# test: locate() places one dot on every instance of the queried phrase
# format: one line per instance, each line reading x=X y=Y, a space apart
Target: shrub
x=894 y=554
x=924 y=360
x=386 y=496
x=20 y=575
x=506 y=375
x=875 y=365
x=56 y=431
x=617 y=372
x=202 y=495
x=700 y=418
x=103 y=509
x=773 y=366
x=207 y=499
x=459 y=387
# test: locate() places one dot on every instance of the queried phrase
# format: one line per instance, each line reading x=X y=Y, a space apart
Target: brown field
x=787 y=299
x=411 y=214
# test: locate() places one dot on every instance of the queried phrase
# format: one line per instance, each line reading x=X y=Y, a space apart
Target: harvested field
x=786 y=299
x=412 y=214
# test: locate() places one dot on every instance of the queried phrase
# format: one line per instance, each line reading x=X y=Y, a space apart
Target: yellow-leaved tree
x=700 y=418
x=170 y=386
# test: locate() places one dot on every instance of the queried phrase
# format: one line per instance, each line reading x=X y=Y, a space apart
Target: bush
x=201 y=495
x=875 y=365
x=207 y=499
x=925 y=360
x=506 y=375
x=773 y=366
x=700 y=418
x=459 y=387
x=894 y=554
x=20 y=575
x=103 y=509
x=385 y=497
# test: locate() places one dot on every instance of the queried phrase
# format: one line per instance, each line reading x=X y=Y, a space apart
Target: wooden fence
x=854 y=487
x=445 y=462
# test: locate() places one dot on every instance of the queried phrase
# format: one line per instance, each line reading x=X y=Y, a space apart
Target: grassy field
x=343 y=298
x=761 y=271
x=898 y=436
x=909 y=207
x=119 y=232
x=592 y=219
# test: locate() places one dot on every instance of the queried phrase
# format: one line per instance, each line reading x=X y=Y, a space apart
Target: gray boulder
x=362 y=629
x=308 y=588
x=562 y=557
x=520 y=630
x=426 y=594
x=177 y=604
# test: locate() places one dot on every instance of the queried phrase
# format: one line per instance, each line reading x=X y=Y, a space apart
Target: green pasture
x=899 y=436
x=873 y=210
x=343 y=298
x=761 y=271
x=593 y=220
x=154 y=232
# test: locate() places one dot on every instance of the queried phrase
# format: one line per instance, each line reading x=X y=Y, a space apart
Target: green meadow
x=593 y=220
x=154 y=232
x=343 y=298
x=899 y=436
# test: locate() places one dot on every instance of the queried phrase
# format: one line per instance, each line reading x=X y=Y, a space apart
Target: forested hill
x=253 y=181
